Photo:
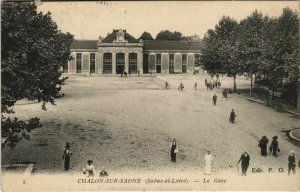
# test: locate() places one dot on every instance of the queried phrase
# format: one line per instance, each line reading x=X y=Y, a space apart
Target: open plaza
x=126 y=124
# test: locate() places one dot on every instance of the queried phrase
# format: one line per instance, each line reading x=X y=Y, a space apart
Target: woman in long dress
x=174 y=150
x=208 y=163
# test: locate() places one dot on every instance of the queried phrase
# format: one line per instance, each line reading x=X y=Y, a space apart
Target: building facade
x=120 y=51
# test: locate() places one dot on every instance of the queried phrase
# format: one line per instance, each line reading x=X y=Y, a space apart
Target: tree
x=282 y=52
x=167 y=35
x=219 y=53
x=146 y=36
x=250 y=34
x=33 y=52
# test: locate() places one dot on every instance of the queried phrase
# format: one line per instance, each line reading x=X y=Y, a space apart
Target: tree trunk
x=251 y=83
x=234 y=83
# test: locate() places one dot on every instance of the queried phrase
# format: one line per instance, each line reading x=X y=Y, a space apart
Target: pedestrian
x=263 y=145
x=205 y=82
x=181 y=87
x=129 y=72
x=103 y=173
x=122 y=73
x=274 y=148
x=89 y=169
x=245 y=158
x=125 y=73
x=208 y=163
x=211 y=85
x=292 y=163
x=174 y=150
x=215 y=97
x=166 y=85
x=232 y=116
x=138 y=72
x=67 y=156
x=207 y=85
x=195 y=86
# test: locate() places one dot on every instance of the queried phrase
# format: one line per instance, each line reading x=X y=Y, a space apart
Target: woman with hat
x=263 y=145
x=292 y=163
x=89 y=168
x=66 y=156
x=274 y=146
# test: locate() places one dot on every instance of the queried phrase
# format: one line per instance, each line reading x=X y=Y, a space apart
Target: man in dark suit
x=66 y=156
x=292 y=163
x=215 y=99
x=245 y=158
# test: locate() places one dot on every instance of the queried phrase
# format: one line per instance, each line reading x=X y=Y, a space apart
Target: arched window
x=132 y=63
x=107 y=63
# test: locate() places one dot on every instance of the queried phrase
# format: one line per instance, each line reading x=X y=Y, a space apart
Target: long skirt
x=173 y=156
x=207 y=169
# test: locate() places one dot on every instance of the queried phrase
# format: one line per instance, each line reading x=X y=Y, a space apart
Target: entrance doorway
x=158 y=68
x=120 y=62
x=183 y=68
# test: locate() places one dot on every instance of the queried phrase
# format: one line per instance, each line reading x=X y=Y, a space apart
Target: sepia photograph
x=150 y=95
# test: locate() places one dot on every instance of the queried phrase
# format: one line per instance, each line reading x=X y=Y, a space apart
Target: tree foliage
x=33 y=52
x=146 y=36
x=260 y=45
x=167 y=35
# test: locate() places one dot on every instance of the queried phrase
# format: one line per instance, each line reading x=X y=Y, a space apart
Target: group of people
x=274 y=147
x=89 y=167
x=210 y=84
x=244 y=159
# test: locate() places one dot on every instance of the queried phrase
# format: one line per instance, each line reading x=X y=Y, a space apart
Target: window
x=184 y=59
x=171 y=63
x=197 y=60
x=158 y=59
x=132 y=63
x=107 y=63
x=184 y=63
x=78 y=62
x=92 y=62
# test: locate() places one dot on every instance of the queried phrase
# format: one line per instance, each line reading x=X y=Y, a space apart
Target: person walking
x=181 y=86
x=67 y=156
x=174 y=150
x=232 y=116
x=205 y=82
x=195 y=86
x=215 y=97
x=208 y=163
x=274 y=148
x=166 y=85
x=89 y=169
x=263 y=145
x=292 y=163
x=245 y=159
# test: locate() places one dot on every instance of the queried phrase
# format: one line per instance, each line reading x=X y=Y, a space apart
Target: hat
x=68 y=145
x=275 y=137
x=292 y=152
x=90 y=161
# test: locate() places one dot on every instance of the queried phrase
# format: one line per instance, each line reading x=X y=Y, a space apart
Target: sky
x=89 y=20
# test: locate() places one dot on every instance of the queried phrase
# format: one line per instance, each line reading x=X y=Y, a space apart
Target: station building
x=120 y=51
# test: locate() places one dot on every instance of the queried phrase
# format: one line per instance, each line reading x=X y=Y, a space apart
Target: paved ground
x=127 y=124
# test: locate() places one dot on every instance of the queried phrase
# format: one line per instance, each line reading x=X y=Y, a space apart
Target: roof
x=171 y=45
x=84 y=44
x=113 y=36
